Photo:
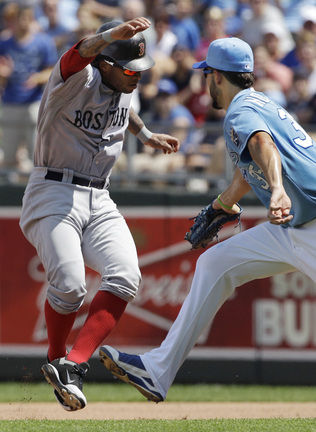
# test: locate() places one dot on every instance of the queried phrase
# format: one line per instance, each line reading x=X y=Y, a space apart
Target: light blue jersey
x=251 y=112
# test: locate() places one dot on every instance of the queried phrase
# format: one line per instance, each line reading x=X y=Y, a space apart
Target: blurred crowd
x=171 y=96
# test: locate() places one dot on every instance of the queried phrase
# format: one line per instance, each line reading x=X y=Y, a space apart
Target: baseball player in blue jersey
x=276 y=158
x=67 y=212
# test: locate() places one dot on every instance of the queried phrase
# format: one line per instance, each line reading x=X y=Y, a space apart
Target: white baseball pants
x=259 y=252
x=72 y=226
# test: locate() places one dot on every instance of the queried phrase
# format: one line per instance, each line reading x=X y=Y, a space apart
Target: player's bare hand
x=280 y=207
x=164 y=142
x=130 y=28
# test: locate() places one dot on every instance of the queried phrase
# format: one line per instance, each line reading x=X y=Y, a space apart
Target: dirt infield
x=166 y=411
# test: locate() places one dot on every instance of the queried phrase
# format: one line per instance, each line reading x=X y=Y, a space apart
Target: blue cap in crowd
x=167 y=86
x=228 y=54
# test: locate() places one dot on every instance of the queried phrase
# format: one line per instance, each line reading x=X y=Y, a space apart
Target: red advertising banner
x=273 y=316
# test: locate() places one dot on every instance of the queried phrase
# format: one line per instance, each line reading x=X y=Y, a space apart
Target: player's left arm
x=265 y=154
x=164 y=142
x=232 y=194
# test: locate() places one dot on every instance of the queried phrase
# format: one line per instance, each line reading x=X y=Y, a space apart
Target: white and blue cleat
x=130 y=369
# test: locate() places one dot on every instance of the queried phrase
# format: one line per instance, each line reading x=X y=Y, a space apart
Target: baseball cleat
x=59 y=399
x=66 y=378
x=130 y=369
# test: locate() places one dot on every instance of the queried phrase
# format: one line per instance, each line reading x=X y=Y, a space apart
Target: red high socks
x=104 y=313
x=58 y=328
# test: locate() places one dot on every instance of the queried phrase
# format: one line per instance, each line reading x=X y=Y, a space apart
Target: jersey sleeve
x=72 y=62
x=239 y=127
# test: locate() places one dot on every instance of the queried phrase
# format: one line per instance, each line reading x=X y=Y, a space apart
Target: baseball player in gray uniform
x=67 y=212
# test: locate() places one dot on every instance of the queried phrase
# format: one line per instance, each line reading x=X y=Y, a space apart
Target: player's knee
x=206 y=260
x=123 y=285
x=212 y=265
x=67 y=288
x=67 y=300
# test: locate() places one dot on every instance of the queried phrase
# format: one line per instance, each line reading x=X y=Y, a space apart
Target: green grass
x=268 y=425
x=117 y=392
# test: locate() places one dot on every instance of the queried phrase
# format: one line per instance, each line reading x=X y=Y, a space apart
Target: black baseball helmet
x=130 y=53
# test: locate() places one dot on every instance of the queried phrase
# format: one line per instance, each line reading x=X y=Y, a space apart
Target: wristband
x=222 y=204
x=144 y=135
x=106 y=35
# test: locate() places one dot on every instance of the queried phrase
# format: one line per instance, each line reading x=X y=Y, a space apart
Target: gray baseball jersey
x=81 y=123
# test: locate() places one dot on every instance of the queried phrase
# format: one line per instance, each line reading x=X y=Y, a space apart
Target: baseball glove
x=207 y=224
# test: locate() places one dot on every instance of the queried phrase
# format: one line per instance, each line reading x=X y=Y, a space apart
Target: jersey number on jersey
x=304 y=142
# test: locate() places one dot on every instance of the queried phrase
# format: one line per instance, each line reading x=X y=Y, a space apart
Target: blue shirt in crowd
x=38 y=53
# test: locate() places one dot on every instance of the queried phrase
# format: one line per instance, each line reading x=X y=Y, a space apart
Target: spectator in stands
x=87 y=21
x=292 y=12
x=213 y=28
x=169 y=115
x=131 y=9
x=87 y=24
x=292 y=58
x=29 y=58
x=261 y=14
x=208 y=158
x=194 y=156
x=306 y=55
x=52 y=26
x=184 y=26
x=182 y=59
x=266 y=67
x=177 y=67
x=196 y=98
x=66 y=13
x=191 y=85
x=231 y=10
x=164 y=40
x=308 y=14
x=173 y=115
x=9 y=13
x=104 y=9
x=271 y=40
x=298 y=99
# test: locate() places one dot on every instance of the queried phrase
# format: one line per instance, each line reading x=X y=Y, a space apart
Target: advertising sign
x=271 y=317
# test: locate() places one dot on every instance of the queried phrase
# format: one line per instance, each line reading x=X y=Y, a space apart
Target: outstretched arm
x=84 y=52
x=164 y=142
x=265 y=154
x=94 y=44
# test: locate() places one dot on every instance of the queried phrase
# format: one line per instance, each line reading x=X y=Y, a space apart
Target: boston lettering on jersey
x=118 y=117
x=89 y=120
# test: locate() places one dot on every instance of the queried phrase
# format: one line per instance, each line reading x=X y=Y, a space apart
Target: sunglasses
x=129 y=72
x=125 y=71
x=207 y=71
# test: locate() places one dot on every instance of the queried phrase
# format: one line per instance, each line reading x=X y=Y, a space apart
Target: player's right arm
x=85 y=51
x=94 y=44
x=266 y=155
